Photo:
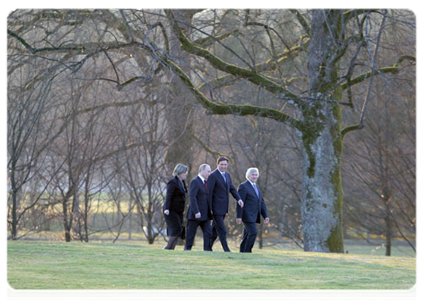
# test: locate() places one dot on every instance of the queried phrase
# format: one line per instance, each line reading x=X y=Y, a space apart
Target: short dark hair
x=222 y=158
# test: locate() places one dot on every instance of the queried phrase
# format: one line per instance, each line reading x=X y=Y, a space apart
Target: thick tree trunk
x=322 y=193
x=321 y=140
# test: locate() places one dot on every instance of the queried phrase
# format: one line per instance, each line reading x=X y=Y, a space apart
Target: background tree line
x=102 y=104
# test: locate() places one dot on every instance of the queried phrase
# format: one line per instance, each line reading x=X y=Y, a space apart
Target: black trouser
x=219 y=229
x=174 y=223
x=192 y=230
x=174 y=228
x=249 y=237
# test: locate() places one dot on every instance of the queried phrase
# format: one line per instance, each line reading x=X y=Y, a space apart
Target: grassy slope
x=59 y=265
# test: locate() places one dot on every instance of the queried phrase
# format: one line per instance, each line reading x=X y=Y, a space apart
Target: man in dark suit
x=220 y=185
x=199 y=213
x=253 y=206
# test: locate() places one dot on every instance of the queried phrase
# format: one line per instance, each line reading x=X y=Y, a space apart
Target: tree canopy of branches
x=307 y=65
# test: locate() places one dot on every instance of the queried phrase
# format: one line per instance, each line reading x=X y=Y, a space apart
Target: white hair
x=251 y=170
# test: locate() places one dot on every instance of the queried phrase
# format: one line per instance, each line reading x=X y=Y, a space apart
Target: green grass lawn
x=136 y=265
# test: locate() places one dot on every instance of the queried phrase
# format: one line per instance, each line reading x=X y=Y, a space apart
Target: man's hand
x=266 y=221
x=238 y=220
x=240 y=203
x=198 y=215
x=166 y=212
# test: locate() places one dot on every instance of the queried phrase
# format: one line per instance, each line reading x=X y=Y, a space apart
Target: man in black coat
x=220 y=185
x=199 y=213
x=253 y=206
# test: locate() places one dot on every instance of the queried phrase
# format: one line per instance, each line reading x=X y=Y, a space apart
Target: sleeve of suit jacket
x=170 y=189
x=193 y=191
x=242 y=193
x=211 y=182
x=263 y=209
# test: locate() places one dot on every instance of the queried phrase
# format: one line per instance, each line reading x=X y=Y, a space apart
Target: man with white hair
x=249 y=214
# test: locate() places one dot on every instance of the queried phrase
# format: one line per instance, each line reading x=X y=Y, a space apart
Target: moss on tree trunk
x=321 y=140
x=322 y=185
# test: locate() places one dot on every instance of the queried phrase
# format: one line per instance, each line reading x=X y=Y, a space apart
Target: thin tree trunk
x=14 y=194
x=130 y=220
x=14 y=216
x=388 y=223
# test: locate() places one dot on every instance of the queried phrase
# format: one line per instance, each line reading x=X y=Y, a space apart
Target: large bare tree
x=318 y=116
x=328 y=52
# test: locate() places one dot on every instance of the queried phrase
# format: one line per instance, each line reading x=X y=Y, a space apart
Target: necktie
x=256 y=189
x=205 y=183
x=224 y=176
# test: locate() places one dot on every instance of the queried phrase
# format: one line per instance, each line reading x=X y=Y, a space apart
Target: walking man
x=253 y=206
x=220 y=185
x=199 y=213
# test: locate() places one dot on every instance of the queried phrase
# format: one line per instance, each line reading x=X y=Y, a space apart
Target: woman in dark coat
x=173 y=208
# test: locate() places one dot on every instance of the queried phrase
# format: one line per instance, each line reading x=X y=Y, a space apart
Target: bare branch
x=210 y=40
x=267 y=66
x=225 y=109
x=221 y=65
x=268 y=29
x=208 y=149
x=127 y=25
x=301 y=20
x=356 y=12
x=386 y=70
x=374 y=67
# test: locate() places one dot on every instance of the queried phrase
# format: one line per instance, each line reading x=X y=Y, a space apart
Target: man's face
x=253 y=177
x=206 y=172
x=222 y=166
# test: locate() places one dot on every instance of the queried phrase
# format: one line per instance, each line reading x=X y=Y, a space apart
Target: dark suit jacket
x=198 y=200
x=253 y=205
x=219 y=192
x=175 y=195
